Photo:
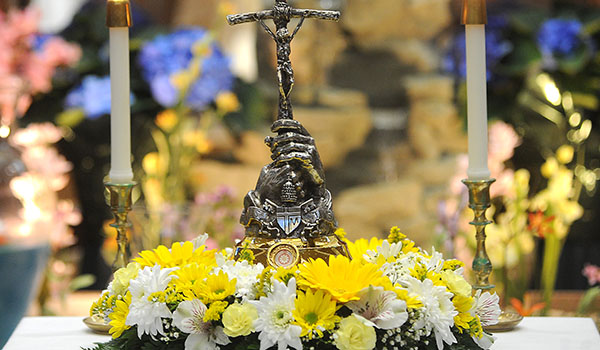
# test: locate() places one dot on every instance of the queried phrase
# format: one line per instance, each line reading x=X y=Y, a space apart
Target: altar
x=534 y=333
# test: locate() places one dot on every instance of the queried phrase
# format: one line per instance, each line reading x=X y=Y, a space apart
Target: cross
x=281 y=14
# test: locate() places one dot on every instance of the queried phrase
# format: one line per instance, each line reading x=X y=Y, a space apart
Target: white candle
x=120 y=118
x=477 y=103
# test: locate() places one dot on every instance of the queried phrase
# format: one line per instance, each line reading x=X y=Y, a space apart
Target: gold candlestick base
x=479 y=202
x=119 y=198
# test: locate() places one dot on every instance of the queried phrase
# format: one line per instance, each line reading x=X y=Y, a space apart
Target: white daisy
x=147 y=309
x=381 y=308
x=487 y=307
x=189 y=318
x=275 y=318
x=438 y=310
x=245 y=275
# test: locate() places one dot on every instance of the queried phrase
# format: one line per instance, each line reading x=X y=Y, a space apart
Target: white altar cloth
x=534 y=333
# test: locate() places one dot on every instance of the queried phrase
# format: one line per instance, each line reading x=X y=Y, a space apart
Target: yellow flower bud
x=167 y=120
x=152 y=164
x=238 y=319
x=565 y=153
x=227 y=102
x=550 y=167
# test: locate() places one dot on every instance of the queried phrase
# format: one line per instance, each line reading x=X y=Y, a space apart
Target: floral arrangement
x=392 y=295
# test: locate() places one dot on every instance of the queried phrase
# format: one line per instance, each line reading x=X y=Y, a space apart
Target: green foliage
x=586 y=302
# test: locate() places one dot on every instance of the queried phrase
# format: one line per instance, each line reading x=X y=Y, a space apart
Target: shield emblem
x=288 y=218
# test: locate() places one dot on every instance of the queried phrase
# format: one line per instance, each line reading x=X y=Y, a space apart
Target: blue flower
x=559 y=37
x=169 y=54
x=497 y=47
x=93 y=96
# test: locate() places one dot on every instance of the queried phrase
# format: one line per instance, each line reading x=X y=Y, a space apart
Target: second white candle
x=477 y=103
x=120 y=119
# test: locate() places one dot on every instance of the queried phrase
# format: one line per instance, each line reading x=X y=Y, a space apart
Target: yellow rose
x=565 y=153
x=456 y=283
x=354 y=334
x=122 y=277
x=238 y=319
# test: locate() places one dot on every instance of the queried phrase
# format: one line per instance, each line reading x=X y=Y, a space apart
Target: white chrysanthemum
x=189 y=318
x=200 y=240
x=147 y=310
x=386 y=250
x=381 y=308
x=275 y=318
x=438 y=310
x=487 y=307
x=435 y=263
x=246 y=276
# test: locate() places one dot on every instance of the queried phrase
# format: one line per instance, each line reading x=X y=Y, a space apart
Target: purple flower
x=559 y=37
x=172 y=53
x=93 y=96
x=497 y=47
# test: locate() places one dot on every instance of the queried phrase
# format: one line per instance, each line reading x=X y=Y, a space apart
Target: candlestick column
x=120 y=188
x=478 y=182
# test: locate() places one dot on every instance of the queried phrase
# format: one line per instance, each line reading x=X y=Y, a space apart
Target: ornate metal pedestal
x=288 y=216
x=119 y=198
x=479 y=202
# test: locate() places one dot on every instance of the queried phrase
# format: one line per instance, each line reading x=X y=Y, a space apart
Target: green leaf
x=70 y=118
x=81 y=282
x=575 y=63
x=524 y=55
x=527 y=22
x=586 y=301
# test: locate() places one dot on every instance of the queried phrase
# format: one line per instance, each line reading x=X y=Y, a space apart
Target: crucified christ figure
x=281 y=14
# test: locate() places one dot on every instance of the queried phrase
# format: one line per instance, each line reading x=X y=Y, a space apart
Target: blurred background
x=382 y=92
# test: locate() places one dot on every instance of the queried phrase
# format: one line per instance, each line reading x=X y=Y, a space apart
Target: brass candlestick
x=479 y=202
x=119 y=198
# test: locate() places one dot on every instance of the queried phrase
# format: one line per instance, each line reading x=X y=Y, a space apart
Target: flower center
x=311 y=318
x=281 y=318
x=219 y=291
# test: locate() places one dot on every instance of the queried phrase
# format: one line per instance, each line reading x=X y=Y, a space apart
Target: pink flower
x=502 y=142
x=37 y=134
x=592 y=272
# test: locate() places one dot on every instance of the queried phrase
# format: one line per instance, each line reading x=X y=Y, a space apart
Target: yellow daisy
x=359 y=248
x=342 y=278
x=180 y=254
x=463 y=305
x=286 y=274
x=315 y=312
x=188 y=277
x=118 y=316
x=216 y=288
